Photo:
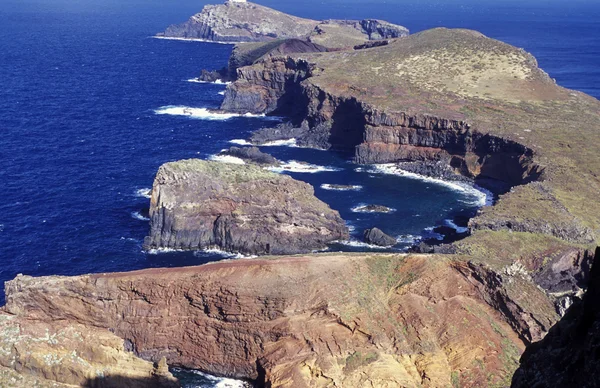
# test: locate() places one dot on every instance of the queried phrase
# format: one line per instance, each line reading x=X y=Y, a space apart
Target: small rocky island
x=450 y=103
x=199 y=204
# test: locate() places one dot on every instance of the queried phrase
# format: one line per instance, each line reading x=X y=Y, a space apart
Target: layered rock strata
x=50 y=353
x=344 y=320
x=197 y=204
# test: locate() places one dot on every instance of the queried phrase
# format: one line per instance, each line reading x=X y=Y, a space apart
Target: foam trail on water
x=360 y=244
x=477 y=195
x=221 y=93
x=226 y=159
x=327 y=186
x=199 y=113
x=224 y=254
x=144 y=193
x=158 y=251
x=139 y=216
x=281 y=143
x=295 y=166
x=217 y=382
x=408 y=239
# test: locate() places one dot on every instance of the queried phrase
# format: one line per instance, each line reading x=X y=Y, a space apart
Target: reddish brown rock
x=299 y=321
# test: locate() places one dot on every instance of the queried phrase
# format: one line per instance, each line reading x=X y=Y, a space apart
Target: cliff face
x=344 y=320
x=239 y=208
x=248 y=22
x=569 y=356
x=65 y=354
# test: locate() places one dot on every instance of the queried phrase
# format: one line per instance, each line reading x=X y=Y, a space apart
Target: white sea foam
x=327 y=186
x=139 y=216
x=224 y=254
x=226 y=159
x=431 y=234
x=408 y=239
x=158 y=251
x=190 y=39
x=459 y=229
x=215 y=82
x=295 y=166
x=359 y=244
x=240 y=142
x=360 y=208
x=281 y=143
x=144 y=193
x=221 y=93
x=219 y=382
x=477 y=196
x=199 y=113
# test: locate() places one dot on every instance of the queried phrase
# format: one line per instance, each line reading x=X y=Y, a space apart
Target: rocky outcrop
x=569 y=356
x=376 y=237
x=249 y=22
x=65 y=354
x=251 y=155
x=343 y=320
x=197 y=204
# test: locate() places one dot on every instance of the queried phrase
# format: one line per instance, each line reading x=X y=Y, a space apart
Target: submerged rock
x=252 y=155
x=376 y=237
x=198 y=204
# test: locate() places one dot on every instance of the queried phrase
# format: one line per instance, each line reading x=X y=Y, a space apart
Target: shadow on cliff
x=130 y=382
x=569 y=355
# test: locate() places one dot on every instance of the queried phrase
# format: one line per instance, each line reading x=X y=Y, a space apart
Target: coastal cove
x=92 y=106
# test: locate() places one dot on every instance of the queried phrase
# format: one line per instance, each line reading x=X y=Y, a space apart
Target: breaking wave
x=327 y=186
x=295 y=166
x=139 y=216
x=199 y=113
x=477 y=196
x=226 y=159
x=144 y=193
x=216 y=82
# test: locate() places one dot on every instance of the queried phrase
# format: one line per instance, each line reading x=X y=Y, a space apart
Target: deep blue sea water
x=80 y=82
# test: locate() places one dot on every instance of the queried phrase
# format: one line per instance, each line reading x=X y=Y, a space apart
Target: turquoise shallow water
x=81 y=140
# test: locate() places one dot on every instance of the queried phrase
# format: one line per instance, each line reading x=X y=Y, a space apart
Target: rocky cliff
x=569 y=356
x=50 y=353
x=456 y=98
x=321 y=320
x=249 y=22
x=197 y=204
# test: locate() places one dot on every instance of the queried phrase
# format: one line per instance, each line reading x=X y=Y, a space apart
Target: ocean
x=90 y=108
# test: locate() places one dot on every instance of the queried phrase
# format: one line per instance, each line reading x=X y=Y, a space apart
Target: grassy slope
x=497 y=89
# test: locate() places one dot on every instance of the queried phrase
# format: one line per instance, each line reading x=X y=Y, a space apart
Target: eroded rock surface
x=345 y=320
x=197 y=204
x=53 y=353
x=377 y=237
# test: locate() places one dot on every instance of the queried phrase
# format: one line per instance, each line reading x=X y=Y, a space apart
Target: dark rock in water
x=373 y=209
x=340 y=187
x=437 y=169
x=305 y=136
x=569 y=355
x=376 y=237
x=252 y=155
x=199 y=204
x=215 y=75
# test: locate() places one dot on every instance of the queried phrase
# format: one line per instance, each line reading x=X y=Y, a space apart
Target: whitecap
x=240 y=142
x=226 y=159
x=477 y=196
x=327 y=186
x=281 y=143
x=199 y=113
x=215 y=82
x=144 y=193
x=459 y=229
x=295 y=166
x=139 y=216
x=221 y=93
x=360 y=208
x=360 y=244
x=219 y=382
x=408 y=239
x=224 y=254
x=158 y=251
